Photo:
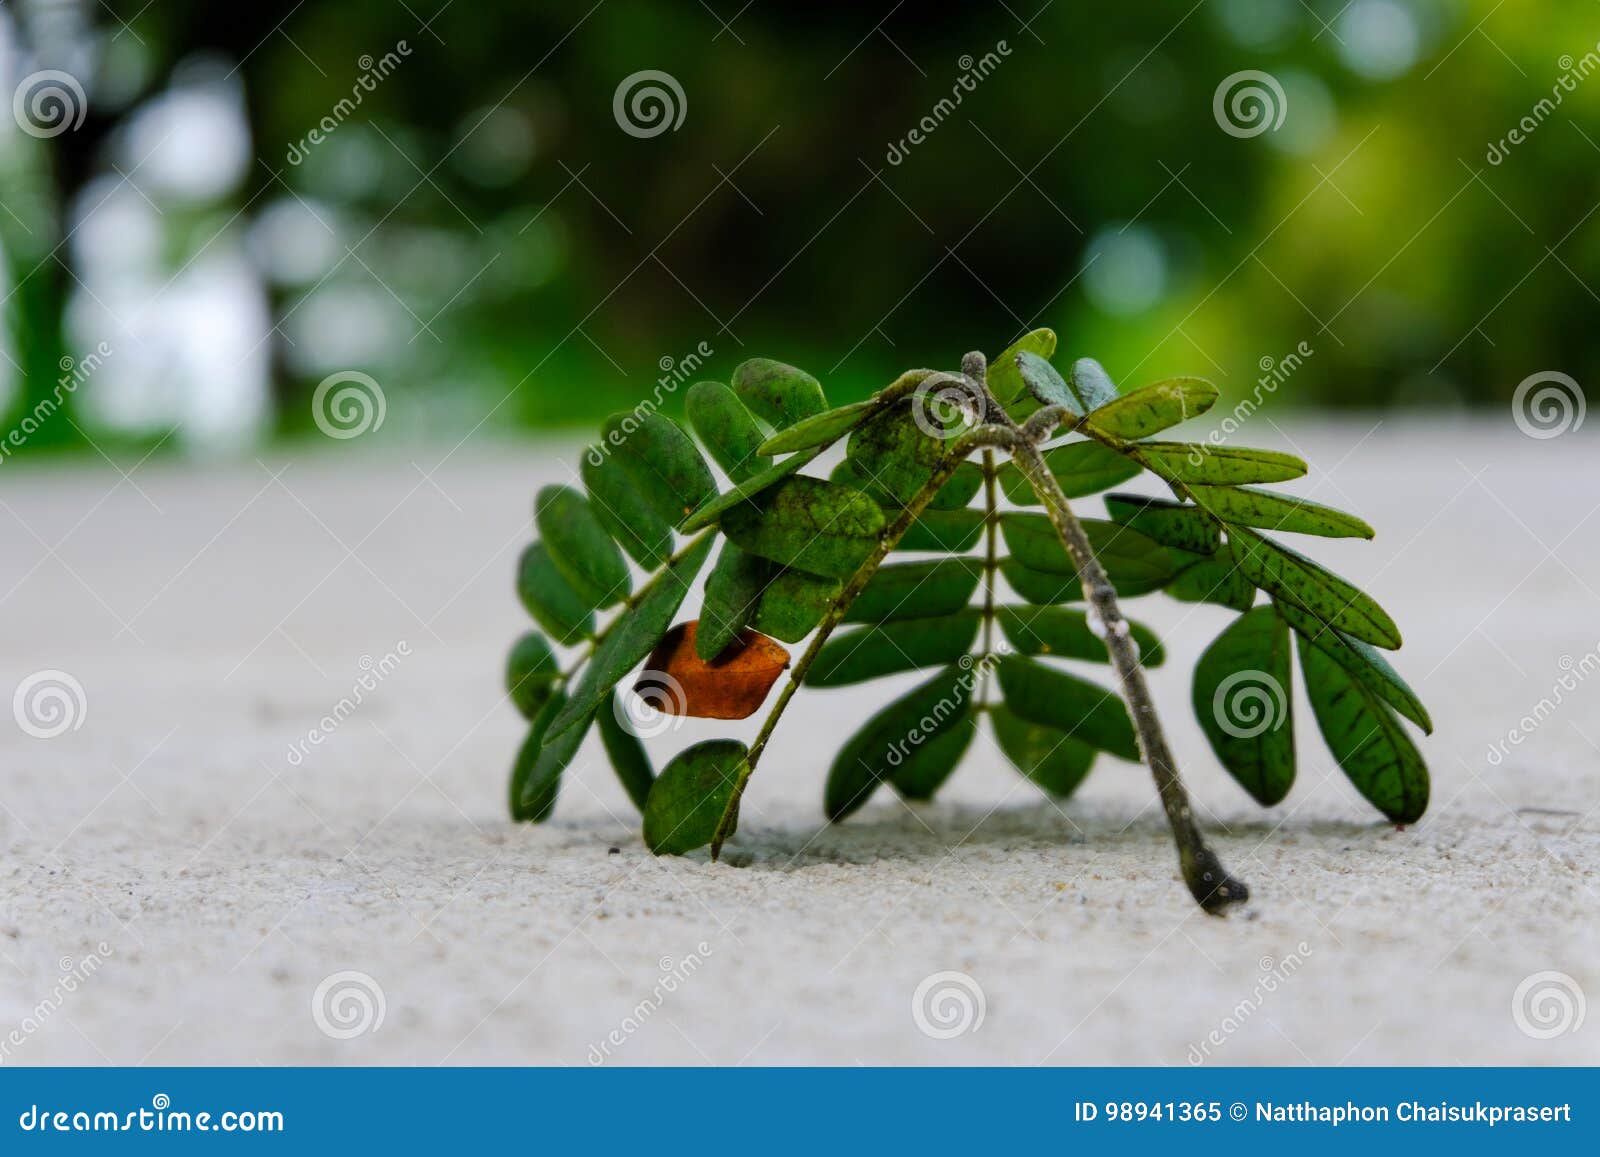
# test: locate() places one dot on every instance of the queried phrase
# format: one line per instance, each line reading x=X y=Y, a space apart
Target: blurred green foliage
x=488 y=242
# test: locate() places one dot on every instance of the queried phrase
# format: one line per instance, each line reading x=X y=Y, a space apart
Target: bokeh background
x=479 y=233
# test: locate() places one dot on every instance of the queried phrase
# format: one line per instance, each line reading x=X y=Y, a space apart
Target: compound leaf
x=1045 y=383
x=1063 y=633
x=819 y=430
x=867 y=652
x=550 y=599
x=663 y=461
x=946 y=531
x=690 y=795
x=1005 y=378
x=1092 y=384
x=1047 y=755
x=781 y=394
x=1291 y=577
x=1214 y=580
x=536 y=776
x=727 y=429
x=582 y=551
x=733 y=591
x=1153 y=408
x=623 y=511
x=1134 y=562
x=627 y=755
x=794 y=603
x=1080 y=468
x=1180 y=525
x=532 y=674
x=809 y=523
x=1207 y=465
x=1361 y=660
x=1241 y=694
x=915 y=590
x=719 y=504
x=1086 y=711
x=1247 y=506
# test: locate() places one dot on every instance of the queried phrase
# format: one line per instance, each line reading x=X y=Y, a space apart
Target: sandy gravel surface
x=173 y=849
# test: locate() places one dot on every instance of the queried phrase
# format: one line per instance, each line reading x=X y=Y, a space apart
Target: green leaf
x=733 y=590
x=1291 y=577
x=1206 y=465
x=1242 y=698
x=826 y=427
x=1214 y=580
x=864 y=653
x=946 y=531
x=532 y=674
x=891 y=450
x=1246 y=506
x=1046 y=385
x=581 y=549
x=727 y=429
x=1362 y=661
x=1062 y=633
x=1180 y=525
x=805 y=522
x=964 y=484
x=628 y=757
x=781 y=394
x=1081 y=469
x=794 y=603
x=904 y=732
x=632 y=635
x=1047 y=755
x=1092 y=384
x=922 y=774
x=1085 y=711
x=915 y=590
x=1366 y=739
x=550 y=599
x=1005 y=379
x=1153 y=408
x=690 y=796
x=1134 y=562
x=622 y=510
x=536 y=776
x=663 y=462
x=719 y=504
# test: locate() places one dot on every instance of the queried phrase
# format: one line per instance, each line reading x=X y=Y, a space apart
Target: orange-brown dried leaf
x=676 y=681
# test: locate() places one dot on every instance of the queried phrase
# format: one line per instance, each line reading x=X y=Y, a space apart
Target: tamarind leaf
x=1366 y=739
x=1063 y=633
x=892 y=451
x=1247 y=506
x=720 y=504
x=963 y=486
x=536 y=775
x=1214 y=580
x=793 y=604
x=1005 y=378
x=1150 y=409
x=1046 y=384
x=727 y=429
x=733 y=590
x=1134 y=562
x=903 y=732
x=1080 y=469
x=532 y=674
x=1205 y=465
x=946 y=531
x=863 y=653
x=808 y=523
x=1243 y=699
x=921 y=777
x=676 y=681
x=666 y=466
x=915 y=590
x=1047 y=755
x=1092 y=385
x=1292 y=578
x=1180 y=525
x=550 y=599
x=631 y=636
x=828 y=426
x=781 y=394
x=690 y=795
x=627 y=755
x=1364 y=662
x=582 y=551
x=1086 y=711
x=622 y=510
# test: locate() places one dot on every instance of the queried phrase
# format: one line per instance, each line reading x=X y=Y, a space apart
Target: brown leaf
x=676 y=681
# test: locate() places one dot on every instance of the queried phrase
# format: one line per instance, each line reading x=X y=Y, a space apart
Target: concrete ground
x=198 y=879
